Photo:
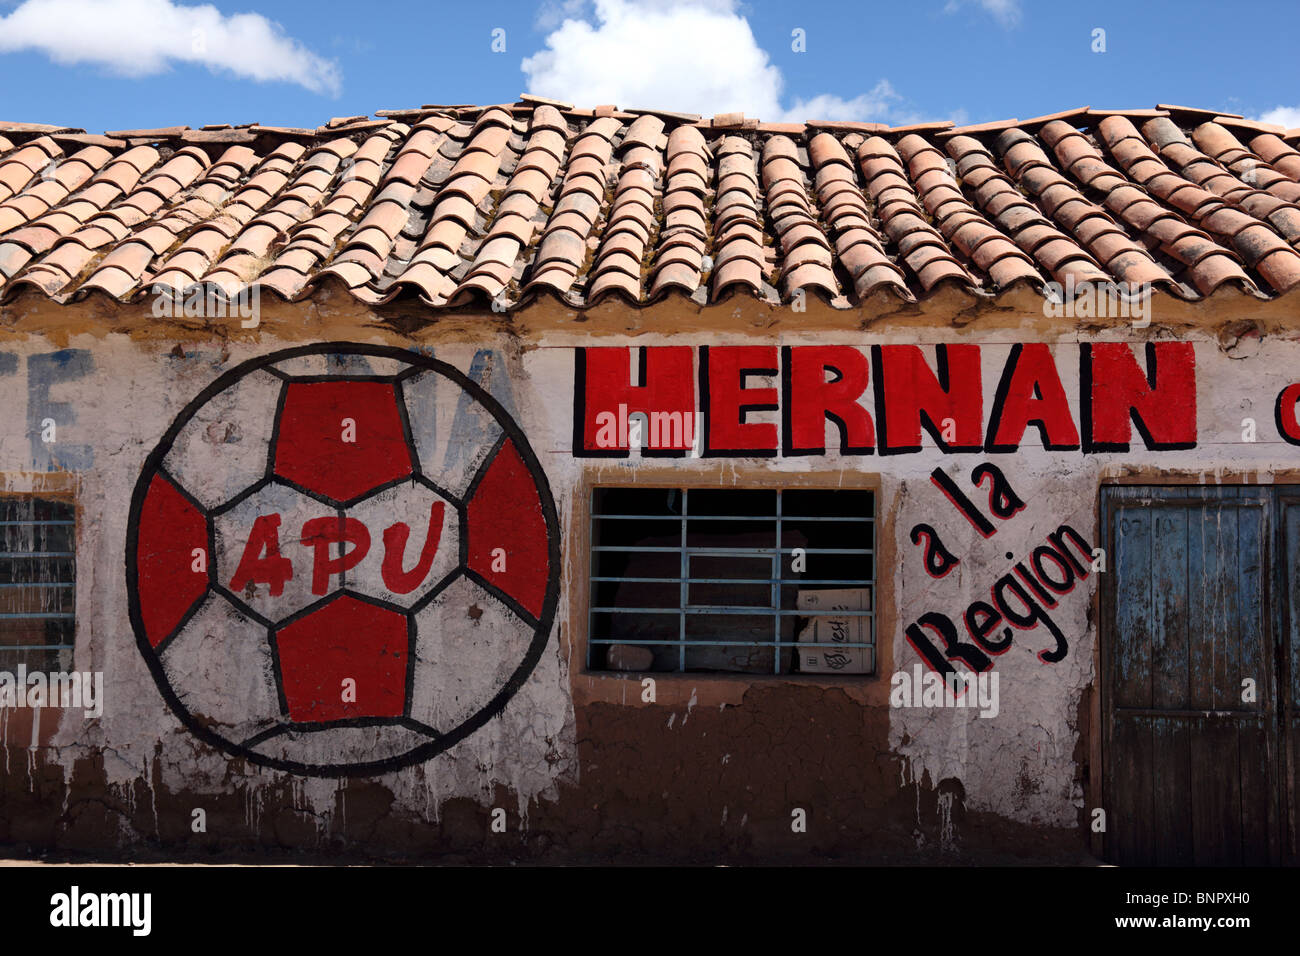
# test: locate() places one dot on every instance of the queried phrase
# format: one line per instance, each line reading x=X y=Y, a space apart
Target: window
x=756 y=581
x=37 y=583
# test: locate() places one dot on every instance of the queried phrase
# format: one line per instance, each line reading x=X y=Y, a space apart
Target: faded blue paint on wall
x=43 y=373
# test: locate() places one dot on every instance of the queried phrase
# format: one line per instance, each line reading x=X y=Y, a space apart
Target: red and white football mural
x=341 y=559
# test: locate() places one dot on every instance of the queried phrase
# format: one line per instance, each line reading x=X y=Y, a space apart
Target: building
x=562 y=484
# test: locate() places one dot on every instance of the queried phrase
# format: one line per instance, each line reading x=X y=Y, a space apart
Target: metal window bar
x=776 y=592
x=775 y=580
x=37 y=581
x=686 y=587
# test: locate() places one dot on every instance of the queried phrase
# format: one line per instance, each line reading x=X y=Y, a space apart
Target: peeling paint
x=547 y=749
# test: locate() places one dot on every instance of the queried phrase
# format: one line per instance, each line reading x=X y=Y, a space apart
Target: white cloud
x=145 y=37
x=1288 y=116
x=876 y=103
x=697 y=56
x=552 y=13
x=1006 y=12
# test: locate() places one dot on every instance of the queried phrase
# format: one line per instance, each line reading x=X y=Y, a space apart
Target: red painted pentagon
x=170 y=528
x=345 y=639
x=506 y=513
x=341 y=438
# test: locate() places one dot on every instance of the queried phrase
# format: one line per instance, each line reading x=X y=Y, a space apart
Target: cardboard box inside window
x=820 y=640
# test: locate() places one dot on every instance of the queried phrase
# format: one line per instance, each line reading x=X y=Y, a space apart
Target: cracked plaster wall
x=1022 y=766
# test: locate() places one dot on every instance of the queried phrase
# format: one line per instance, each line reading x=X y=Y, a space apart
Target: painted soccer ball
x=341 y=559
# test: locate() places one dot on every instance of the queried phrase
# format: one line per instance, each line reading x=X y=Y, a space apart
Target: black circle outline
x=421 y=754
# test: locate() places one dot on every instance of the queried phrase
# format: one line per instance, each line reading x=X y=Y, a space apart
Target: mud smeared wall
x=581 y=765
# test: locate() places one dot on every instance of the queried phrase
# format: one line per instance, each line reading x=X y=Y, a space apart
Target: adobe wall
x=584 y=769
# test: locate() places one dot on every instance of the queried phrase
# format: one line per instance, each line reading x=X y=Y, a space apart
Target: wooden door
x=1288 y=510
x=1192 y=765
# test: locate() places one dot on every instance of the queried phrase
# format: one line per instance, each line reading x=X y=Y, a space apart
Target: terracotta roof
x=462 y=205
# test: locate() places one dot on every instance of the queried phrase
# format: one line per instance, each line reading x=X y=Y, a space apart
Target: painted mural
x=341 y=559
x=345 y=560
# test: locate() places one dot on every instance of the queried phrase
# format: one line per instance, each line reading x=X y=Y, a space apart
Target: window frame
x=58 y=487
x=604 y=685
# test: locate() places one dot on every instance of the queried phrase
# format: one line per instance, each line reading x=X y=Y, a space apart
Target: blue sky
x=115 y=64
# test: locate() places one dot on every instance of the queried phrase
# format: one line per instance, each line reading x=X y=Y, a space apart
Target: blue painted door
x=1289 y=666
x=1194 y=773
